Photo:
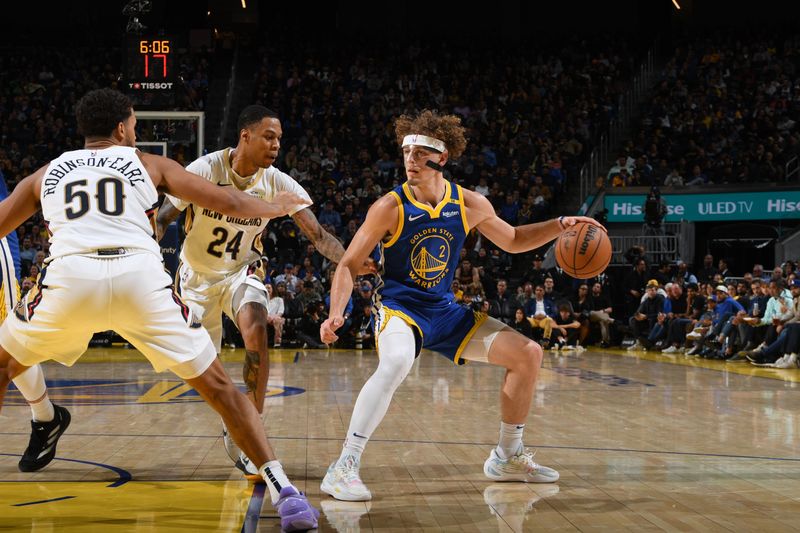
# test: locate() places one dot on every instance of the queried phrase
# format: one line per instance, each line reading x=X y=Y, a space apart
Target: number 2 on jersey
x=231 y=247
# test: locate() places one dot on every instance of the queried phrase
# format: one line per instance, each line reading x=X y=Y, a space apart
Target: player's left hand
x=568 y=222
x=327 y=329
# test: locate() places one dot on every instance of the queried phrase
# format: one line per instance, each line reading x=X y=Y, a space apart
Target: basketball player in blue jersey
x=29 y=383
x=421 y=226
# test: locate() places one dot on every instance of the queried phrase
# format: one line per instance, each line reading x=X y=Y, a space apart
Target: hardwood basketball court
x=642 y=442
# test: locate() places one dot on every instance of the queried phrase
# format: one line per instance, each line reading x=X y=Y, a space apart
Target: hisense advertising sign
x=708 y=207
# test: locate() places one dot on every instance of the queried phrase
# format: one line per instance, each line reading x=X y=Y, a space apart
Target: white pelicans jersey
x=99 y=202
x=221 y=244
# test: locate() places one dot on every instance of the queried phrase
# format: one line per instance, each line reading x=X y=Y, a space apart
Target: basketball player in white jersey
x=105 y=272
x=217 y=273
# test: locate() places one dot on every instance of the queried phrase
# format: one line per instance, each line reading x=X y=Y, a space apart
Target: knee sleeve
x=397 y=350
x=31 y=383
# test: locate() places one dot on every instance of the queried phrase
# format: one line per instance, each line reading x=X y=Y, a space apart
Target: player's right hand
x=327 y=329
x=287 y=201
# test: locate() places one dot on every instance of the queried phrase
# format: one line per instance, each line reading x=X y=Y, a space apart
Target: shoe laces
x=525 y=458
x=348 y=470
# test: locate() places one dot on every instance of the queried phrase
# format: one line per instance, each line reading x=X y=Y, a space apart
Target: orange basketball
x=583 y=251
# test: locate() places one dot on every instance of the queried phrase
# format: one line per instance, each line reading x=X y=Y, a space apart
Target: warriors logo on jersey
x=430 y=256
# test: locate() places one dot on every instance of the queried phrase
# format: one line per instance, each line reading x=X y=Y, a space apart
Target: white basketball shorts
x=210 y=295
x=131 y=294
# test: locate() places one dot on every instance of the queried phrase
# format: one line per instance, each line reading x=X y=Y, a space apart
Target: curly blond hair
x=446 y=128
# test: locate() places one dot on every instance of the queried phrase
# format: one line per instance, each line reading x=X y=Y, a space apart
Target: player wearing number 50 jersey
x=216 y=274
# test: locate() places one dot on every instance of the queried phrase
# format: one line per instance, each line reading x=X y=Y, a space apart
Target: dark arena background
x=667 y=397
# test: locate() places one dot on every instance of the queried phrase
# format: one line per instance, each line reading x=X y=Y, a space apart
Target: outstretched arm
x=327 y=244
x=168 y=175
x=480 y=214
x=381 y=220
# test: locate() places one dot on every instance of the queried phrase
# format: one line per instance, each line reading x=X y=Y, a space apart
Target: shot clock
x=150 y=62
x=151 y=77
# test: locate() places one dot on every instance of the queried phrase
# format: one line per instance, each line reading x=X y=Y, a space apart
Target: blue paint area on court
x=590 y=375
x=253 y=513
x=121 y=392
x=42 y=501
x=123 y=476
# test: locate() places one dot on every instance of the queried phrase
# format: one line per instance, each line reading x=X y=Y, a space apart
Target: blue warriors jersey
x=417 y=269
x=420 y=261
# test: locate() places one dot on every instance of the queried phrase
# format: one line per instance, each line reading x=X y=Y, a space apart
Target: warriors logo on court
x=430 y=256
x=134 y=391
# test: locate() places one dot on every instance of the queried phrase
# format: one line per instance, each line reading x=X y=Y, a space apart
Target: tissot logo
x=149 y=85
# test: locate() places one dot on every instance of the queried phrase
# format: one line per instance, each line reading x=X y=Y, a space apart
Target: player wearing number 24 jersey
x=218 y=257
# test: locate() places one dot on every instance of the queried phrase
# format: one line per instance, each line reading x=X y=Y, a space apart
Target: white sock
x=396 y=345
x=510 y=439
x=32 y=387
x=352 y=450
x=275 y=478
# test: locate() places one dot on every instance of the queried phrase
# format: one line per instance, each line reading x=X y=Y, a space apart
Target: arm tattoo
x=250 y=370
x=327 y=244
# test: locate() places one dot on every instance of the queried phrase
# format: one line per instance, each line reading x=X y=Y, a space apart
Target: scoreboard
x=150 y=75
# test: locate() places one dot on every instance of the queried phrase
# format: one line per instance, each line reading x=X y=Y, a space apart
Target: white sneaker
x=669 y=349
x=787 y=361
x=520 y=467
x=635 y=346
x=343 y=482
x=580 y=349
x=694 y=335
x=568 y=348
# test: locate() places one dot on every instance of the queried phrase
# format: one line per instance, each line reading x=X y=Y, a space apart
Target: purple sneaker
x=295 y=511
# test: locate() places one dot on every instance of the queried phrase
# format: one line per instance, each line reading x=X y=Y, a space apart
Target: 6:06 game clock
x=150 y=76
